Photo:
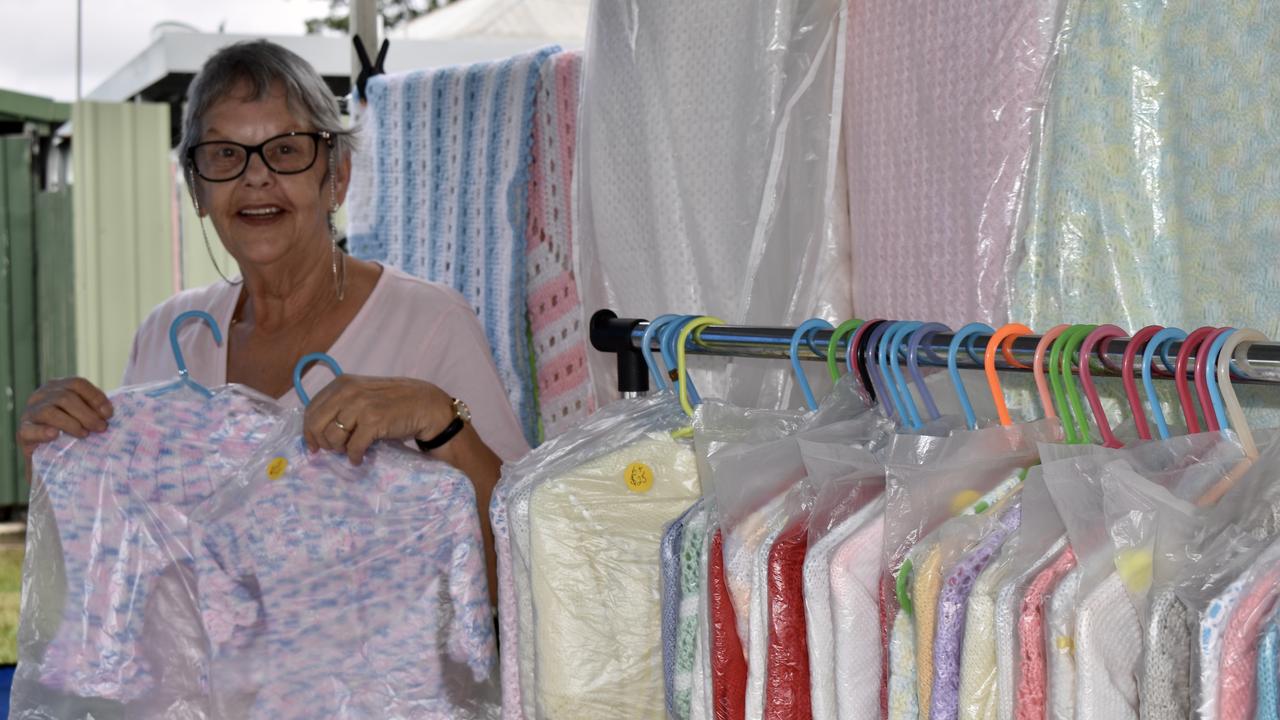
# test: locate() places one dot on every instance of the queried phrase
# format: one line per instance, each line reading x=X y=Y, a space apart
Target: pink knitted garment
x=939 y=104
x=1237 y=678
x=559 y=342
x=1032 y=669
x=121 y=501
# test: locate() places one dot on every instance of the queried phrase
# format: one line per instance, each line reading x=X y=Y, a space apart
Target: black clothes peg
x=368 y=69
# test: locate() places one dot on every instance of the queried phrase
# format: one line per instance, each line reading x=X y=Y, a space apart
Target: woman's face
x=263 y=218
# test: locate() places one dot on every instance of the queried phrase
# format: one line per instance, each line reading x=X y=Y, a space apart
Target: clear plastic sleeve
x=109 y=624
x=1108 y=630
x=708 y=154
x=1125 y=186
x=931 y=479
x=939 y=135
x=785 y=677
x=1237 y=697
x=585 y=517
x=328 y=589
x=622 y=422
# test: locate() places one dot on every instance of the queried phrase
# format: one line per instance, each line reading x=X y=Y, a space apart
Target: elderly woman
x=268 y=162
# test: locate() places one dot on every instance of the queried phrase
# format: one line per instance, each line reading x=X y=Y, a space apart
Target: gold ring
x=341 y=427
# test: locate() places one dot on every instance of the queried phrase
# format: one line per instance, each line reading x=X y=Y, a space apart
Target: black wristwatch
x=461 y=416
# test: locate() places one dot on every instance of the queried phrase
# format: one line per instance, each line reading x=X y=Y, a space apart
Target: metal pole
x=364 y=23
x=79 y=45
x=774 y=342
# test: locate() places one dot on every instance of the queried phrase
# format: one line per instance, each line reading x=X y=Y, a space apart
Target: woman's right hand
x=70 y=405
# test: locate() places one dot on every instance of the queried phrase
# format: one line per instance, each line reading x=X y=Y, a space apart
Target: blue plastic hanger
x=184 y=376
x=1211 y=379
x=913 y=363
x=873 y=370
x=1161 y=342
x=971 y=332
x=802 y=333
x=880 y=374
x=886 y=377
x=667 y=339
x=659 y=377
x=302 y=365
x=896 y=342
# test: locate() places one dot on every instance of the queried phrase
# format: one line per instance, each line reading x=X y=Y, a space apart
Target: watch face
x=462 y=411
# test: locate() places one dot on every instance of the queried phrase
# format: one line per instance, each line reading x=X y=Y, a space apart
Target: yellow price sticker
x=1135 y=568
x=276 y=468
x=964 y=500
x=639 y=477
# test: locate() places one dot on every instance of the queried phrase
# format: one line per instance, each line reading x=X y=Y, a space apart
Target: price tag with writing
x=639 y=477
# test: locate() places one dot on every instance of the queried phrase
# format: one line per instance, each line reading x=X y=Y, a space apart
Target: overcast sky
x=38 y=37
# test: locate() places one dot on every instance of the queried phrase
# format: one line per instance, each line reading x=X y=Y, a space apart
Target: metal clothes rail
x=625 y=336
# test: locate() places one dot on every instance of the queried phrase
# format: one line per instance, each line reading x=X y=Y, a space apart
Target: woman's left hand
x=353 y=412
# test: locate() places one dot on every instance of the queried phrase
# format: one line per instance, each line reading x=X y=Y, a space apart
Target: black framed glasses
x=287 y=154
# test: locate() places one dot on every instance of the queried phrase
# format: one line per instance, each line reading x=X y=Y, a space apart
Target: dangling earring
x=200 y=218
x=338 y=257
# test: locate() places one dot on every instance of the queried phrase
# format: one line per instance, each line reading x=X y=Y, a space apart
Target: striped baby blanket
x=555 y=310
x=439 y=191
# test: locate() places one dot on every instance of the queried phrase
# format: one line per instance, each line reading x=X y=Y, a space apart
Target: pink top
x=407 y=328
x=1237 y=678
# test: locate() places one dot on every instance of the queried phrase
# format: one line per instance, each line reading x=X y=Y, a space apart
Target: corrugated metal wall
x=37 y=322
x=18 y=311
x=124 y=249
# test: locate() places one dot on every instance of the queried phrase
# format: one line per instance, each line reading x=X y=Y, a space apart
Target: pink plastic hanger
x=1191 y=344
x=1042 y=381
x=1136 y=344
x=1204 y=365
x=1104 y=332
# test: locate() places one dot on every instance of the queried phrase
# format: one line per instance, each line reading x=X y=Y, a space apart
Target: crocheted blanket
x=440 y=190
x=555 y=310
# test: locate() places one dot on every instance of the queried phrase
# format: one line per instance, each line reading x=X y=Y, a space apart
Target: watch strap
x=445 y=436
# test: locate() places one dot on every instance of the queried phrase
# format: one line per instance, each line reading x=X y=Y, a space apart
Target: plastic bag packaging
x=861 y=504
x=728 y=662
x=1039 y=540
x=1237 y=687
x=931 y=479
x=333 y=590
x=938 y=136
x=747 y=479
x=746 y=568
x=708 y=152
x=1198 y=556
x=854 y=579
x=980 y=676
x=1058 y=686
x=612 y=427
x=594 y=524
x=1026 y=602
x=849 y=483
x=753 y=462
x=953 y=605
x=702 y=699
x=1114 y=227
x=1269 y=673
x=672 y=566
x=686 y=682
x=109 y=626
x=786 y=667
x=936 y=594
x=1108 y=636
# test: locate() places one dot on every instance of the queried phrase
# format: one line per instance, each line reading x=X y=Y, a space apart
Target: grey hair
x=260 y=65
